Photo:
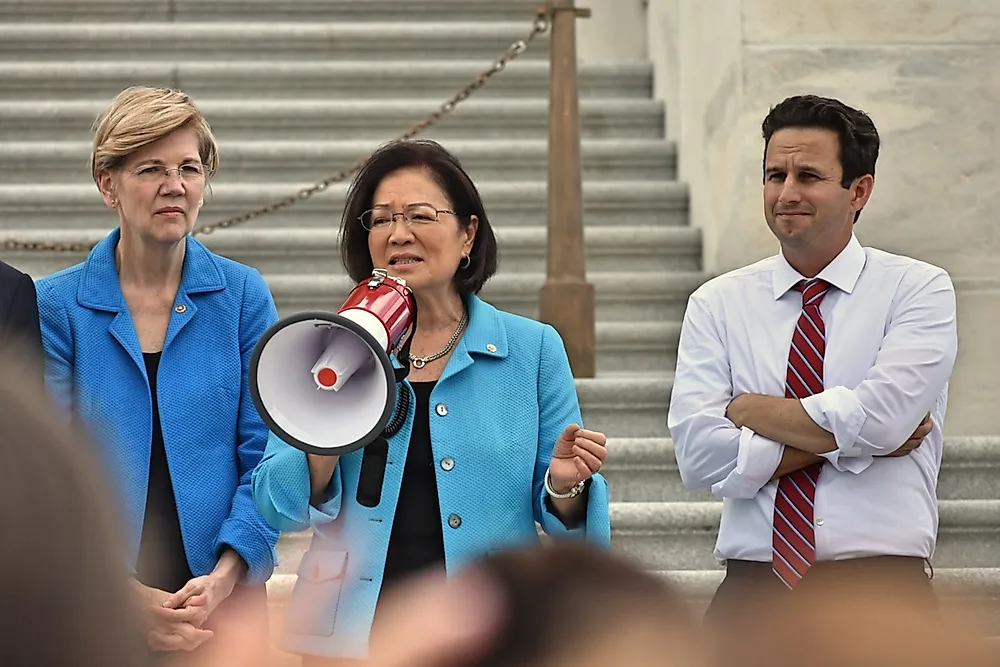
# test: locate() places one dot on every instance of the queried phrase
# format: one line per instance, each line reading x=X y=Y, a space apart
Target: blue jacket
x=501 y=402
x=211 y=431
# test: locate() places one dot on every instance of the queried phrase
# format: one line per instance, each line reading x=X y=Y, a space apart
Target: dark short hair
x=448 y=172
x=859 y=140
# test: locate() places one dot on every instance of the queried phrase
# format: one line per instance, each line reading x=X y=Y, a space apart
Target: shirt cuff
x=756 y=462
x=838 y=411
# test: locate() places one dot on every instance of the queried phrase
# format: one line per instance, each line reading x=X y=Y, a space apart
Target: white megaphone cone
x=324 y=382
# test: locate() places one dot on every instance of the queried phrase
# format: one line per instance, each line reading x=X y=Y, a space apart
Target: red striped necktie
x=793 y=541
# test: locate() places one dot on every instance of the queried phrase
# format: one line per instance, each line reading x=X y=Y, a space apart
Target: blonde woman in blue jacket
x=492 y=441
x=147 y=345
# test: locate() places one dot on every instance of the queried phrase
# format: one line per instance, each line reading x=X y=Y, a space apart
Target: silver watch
x=572 y=493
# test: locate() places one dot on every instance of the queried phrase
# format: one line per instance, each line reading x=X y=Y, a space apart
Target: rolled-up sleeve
x=911 y=370
x=711 y=451
x=281 y=490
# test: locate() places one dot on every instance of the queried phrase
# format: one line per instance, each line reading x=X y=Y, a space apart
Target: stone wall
x=929 y=75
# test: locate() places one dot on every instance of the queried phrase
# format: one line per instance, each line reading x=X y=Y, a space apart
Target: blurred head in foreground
x=566 y=605
x=861 y=622
x=61 y=576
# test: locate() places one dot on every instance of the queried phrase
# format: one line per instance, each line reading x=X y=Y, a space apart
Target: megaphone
x=323 y=382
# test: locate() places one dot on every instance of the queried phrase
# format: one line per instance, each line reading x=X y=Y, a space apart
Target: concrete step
x=12 y=11
x=511 y=203
x=300 y=161
x=313 y=250
x=312 y=120
x=302 y=79
x=645 y=470
x=968 y=596
x=269 y=41
x=681 y=535
x=621 y=297
x=629 y=404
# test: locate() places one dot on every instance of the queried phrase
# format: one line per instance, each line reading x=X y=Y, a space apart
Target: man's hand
x=921 y=432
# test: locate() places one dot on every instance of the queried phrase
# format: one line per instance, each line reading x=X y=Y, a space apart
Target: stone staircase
x=298 y=89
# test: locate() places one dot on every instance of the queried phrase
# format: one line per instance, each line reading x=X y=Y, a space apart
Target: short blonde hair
x=140 y=115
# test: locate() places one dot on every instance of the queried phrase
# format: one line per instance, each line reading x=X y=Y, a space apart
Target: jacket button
x=181 y=308
x=491 y=348
x=442 y=409
x=454 y=521
x=447 y=463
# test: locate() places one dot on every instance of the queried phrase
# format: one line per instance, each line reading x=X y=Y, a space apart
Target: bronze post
x=566 y=301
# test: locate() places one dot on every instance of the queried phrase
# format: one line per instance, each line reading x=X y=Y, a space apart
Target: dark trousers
x=752 y=608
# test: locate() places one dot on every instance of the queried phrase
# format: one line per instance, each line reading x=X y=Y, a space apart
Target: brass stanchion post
x=566 y=301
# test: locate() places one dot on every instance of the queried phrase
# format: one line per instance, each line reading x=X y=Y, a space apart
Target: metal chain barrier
x=541 y=24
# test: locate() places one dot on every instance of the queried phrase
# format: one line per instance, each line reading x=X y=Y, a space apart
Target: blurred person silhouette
x=65 y=601
x=569 y=604
x=147 y=345
x=868 y=620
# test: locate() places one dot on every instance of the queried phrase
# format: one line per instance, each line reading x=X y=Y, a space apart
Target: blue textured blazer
x=211 y=431
x=501 y=402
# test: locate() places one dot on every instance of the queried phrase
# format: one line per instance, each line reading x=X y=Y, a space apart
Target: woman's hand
x=165 y=634
x=194 y=603
x=577 y=456
x=320 y=474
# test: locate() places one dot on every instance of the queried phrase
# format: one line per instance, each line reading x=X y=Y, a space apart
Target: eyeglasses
x=413 y=216
x=157 y=173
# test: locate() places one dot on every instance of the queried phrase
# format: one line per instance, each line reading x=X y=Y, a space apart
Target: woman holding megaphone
x=485 y=445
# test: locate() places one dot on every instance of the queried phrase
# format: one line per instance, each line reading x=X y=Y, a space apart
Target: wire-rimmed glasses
x=415 y=215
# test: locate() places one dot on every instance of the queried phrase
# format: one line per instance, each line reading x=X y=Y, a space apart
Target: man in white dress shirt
x=811 y=386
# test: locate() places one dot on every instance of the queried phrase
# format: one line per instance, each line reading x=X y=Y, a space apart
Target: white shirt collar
x=843 y=272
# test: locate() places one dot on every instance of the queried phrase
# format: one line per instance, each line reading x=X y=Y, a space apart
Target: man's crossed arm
x=784 y=420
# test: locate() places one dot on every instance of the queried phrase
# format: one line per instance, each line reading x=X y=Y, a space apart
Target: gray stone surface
x=310 y=249
x=63 y=206
x=310 y=79
x=357 y=119
x=268 y=41
x=889 y=22
x=269 y=10
x=298 y=161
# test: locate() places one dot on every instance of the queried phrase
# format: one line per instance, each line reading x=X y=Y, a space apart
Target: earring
x=466 y=261
x=114 y=203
